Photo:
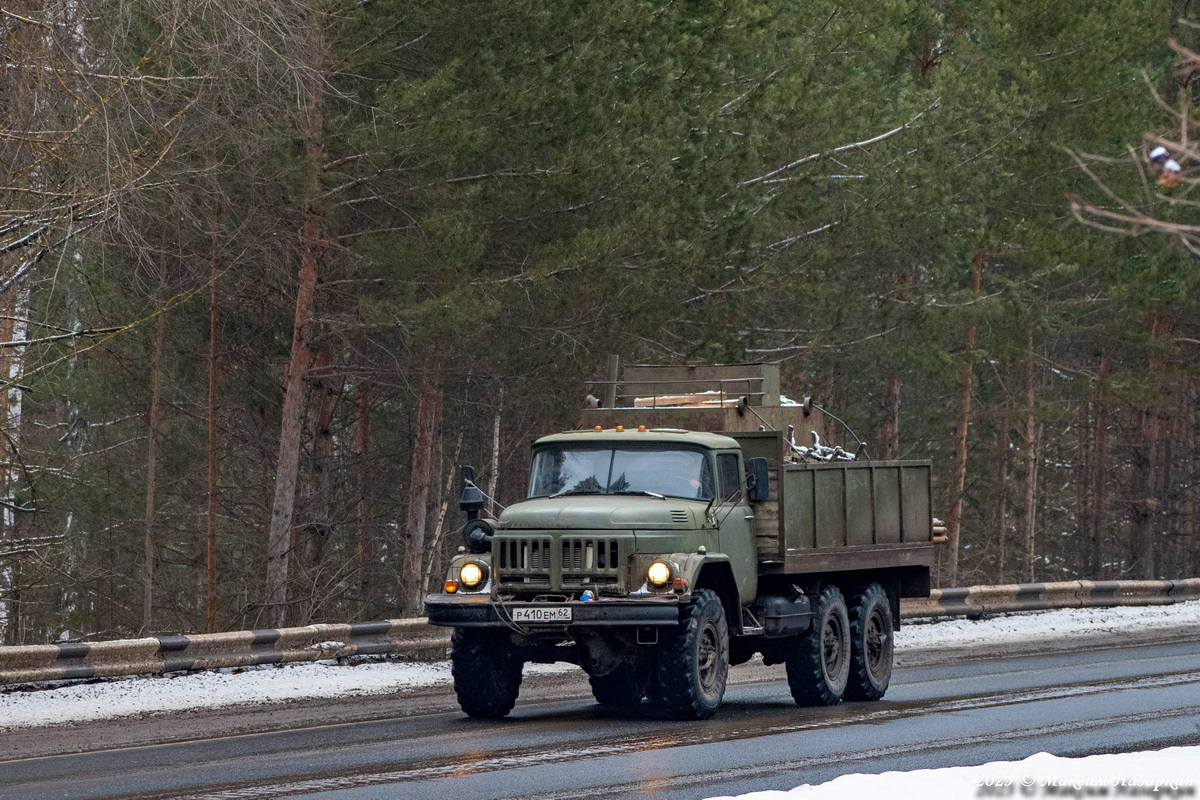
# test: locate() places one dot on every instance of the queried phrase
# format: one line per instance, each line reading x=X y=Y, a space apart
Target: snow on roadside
x=1045 y=625
x=131 y=697
x=128 y=697
x=1170 y=773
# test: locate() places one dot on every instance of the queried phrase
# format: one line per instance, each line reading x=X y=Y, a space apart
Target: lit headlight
x=472 y=575
x=659 y=573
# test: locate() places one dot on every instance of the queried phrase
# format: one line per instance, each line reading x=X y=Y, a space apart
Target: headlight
x=472 y=575
x=659 y=573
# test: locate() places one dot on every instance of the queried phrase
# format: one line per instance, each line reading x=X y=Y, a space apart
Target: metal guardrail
x=156 y=655
x=416 y=638
x=982 y=600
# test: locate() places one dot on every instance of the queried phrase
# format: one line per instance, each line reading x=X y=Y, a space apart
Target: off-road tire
x=818 y=663
x=694 y=659
x=871 y=643
x=487 y=671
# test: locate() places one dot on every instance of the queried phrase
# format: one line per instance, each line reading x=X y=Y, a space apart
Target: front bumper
x=480 y=611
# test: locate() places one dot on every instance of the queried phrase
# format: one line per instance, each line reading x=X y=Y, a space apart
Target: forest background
x=270 y=271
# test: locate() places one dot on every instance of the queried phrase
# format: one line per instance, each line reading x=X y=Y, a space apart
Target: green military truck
x=655 y=552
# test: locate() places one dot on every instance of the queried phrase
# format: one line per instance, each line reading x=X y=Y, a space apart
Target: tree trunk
x=1029 y=504
x=429 y=411
x=15 y=634
x=287 y=471
x=1148 y=422
x=962 y=422
x=1099 y=487
x=210 y=538
x=439 y=529
x=156 y=371
x=1000 y=522
x=1193 y=506
x=494 y=478
x=1141 y=558
x=1164 y=490
x=15 y=329
x=365 y=546
x=325 y=389
x=889 y=430
x=1084 y=464
x=313 y=239
x=889 y=427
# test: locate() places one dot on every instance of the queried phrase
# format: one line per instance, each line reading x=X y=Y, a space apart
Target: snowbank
x=1170 y=773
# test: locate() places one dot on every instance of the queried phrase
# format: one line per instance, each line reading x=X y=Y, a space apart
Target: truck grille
x=589 y=560
x=528 y=558
x=569 y=561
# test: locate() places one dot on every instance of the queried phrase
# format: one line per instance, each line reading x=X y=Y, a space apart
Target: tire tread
x=486 y=670
x=805 y=661
x=677 y=682
x=863 y=685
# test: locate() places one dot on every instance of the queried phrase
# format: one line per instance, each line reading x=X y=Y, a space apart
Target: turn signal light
x=451 y=587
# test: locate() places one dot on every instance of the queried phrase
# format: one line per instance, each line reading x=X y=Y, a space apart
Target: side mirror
x=471 y=500
x=758 y=480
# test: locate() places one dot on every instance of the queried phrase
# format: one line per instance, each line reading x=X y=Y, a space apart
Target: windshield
x=673 y=472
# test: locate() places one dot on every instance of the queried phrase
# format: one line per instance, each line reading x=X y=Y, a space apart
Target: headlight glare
x=472 y=575
x=659 y=573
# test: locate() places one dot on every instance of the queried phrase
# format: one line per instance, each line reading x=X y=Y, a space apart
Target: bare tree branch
x=851 y=146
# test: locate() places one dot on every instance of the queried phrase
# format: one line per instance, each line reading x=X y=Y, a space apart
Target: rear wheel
x=871 y=643
x=694 y=663
x=818 y=664
x=487 y=671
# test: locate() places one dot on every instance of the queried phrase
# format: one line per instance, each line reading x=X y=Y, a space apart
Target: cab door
x=734 y=515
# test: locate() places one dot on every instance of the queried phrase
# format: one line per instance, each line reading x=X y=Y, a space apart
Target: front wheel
x=870 y=643
x=818 y=664
x=487 y=671
x=694 y=662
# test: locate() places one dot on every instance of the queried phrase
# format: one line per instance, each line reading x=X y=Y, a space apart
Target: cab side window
x=729 y=475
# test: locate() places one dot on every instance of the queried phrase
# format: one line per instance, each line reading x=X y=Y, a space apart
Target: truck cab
x=605 y=506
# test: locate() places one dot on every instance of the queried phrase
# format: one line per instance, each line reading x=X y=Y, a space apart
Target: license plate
x=554 y=614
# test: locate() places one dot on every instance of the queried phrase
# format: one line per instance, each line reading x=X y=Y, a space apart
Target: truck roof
x=642 y=435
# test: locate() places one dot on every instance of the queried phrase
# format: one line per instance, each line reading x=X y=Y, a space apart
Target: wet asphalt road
x=958 y=713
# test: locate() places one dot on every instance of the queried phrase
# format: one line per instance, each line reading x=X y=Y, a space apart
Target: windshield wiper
x=562 y=492
x=643 y=491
